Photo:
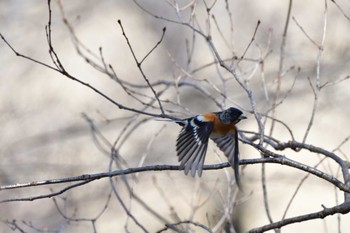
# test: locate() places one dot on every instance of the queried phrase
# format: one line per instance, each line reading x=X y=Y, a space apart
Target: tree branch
x=343 y=209
x=278 y=159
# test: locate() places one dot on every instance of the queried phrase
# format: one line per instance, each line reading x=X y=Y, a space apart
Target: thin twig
x=53 y=194
x=341 y=10
x=121 y=202
x=265 y=194
x=316 y=89
x=298 y=188
x=60 y=69
x=139 y=63
x=281 y=63
x=251 y=41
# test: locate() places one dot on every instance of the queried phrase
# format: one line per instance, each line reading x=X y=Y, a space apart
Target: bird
x=192 y=142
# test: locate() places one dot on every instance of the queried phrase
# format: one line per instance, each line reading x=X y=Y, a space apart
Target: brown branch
x=281 y=63
x=343 y=209
x=126 y=210
x=297 y=190
x=69 y=76
x=60 y=69
x=53 y=194
x=139 y=63
x=341 y=10
x=298 y=145
x=251 y=40
x=278 y=159
x=13 y=225
x=170 y=226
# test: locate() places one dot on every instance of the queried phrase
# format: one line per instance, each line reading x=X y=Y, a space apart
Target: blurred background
x=53 y=127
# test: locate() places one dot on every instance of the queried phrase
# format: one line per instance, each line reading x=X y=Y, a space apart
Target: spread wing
x=229 y=145
x=192 y=144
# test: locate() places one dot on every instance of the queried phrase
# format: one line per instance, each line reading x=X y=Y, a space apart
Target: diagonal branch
x=139 y=63
x=69 y=76
x=343 y=209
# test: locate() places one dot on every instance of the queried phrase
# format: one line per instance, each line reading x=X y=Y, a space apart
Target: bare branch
x=185 y=222
x=275 y=159
x=139 y=63
x=341 y=10
x=343 y=209
x=164 y=98
x=62 y=71
x=251 y=40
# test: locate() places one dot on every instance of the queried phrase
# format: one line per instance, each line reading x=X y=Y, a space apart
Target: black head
x=231 y=115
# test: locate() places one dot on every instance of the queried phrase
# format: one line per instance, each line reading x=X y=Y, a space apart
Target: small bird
x=192 y=142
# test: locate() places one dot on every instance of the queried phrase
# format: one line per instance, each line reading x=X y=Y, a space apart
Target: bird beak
x=242 y=117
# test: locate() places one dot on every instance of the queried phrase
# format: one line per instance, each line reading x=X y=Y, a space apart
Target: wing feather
x=192 y=144
x=229 y=146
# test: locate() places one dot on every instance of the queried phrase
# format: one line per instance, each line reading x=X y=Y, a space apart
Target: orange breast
x=219 y=129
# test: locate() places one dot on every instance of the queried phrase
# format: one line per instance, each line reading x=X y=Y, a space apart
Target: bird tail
x=229 y=145
x=236 y=171
x=235 y=164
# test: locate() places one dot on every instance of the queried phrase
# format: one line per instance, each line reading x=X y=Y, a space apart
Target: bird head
x=231 y=115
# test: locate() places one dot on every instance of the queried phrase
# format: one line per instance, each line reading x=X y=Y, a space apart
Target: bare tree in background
x=286 y=100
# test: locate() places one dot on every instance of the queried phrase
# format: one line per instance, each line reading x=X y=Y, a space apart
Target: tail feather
x=235 y=164
x=229 y=145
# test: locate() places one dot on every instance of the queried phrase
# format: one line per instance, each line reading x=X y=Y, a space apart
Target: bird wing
x=229 y=146
x=192 y=144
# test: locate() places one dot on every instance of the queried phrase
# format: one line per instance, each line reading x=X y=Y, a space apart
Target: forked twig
x=139 y=63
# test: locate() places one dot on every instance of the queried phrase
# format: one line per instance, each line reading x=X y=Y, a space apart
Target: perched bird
x=192 y=142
